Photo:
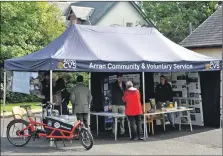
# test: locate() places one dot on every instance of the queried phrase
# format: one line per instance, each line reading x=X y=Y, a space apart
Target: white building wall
x=120 y=14
x=212 y=52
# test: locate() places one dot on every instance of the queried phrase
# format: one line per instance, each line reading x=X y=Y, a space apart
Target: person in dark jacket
x=164 y=94
x=60 y=90
x=46 y=88
x=163 y=91
x=118 y=105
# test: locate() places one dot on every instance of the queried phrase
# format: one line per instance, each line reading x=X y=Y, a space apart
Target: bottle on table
x=175 y=104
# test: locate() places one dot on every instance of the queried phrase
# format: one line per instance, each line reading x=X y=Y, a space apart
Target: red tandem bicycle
x=54 y=128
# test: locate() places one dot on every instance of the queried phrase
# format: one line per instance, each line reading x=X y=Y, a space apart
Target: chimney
x=190 y=28
x=72 y=19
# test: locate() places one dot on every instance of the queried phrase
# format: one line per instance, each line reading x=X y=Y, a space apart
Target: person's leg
x=79 y=116
x=170 y=118
x=57 y=107
x=73 y=107
x=85 y=119
x=114 y=110
x=139 y=126
x=121 y=110
x=132 y=126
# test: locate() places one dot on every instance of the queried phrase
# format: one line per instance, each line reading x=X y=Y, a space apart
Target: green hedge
x=20 y=98
x=11 y=97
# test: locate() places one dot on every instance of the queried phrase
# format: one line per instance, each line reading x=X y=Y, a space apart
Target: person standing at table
x=118 y=105
x=133 y=110
x=164 y=94
x=81 y=100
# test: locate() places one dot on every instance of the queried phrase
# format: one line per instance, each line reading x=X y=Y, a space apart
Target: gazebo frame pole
x=51 y=86
x=89 y=114
x=144 y=106
x=51 y=97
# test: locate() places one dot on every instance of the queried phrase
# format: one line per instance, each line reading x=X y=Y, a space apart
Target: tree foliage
x=173 y=18
x=27 y=27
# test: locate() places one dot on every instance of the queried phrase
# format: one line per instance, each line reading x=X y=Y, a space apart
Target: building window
x=129 y=24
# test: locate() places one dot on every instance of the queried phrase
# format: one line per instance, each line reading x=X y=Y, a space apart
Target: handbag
x=57 y=99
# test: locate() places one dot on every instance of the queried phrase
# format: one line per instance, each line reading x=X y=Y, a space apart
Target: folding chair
x=151 y=118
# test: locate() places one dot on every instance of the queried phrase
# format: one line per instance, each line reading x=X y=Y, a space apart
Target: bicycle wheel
x=86 y=138
x=16 y=126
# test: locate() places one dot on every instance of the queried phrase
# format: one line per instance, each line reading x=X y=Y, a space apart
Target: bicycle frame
x=33 y=124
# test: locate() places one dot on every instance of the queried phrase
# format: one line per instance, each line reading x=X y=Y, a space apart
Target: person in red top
x=133 y=110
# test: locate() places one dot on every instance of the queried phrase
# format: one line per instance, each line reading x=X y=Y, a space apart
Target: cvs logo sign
x=67 y=64
x=215 y=65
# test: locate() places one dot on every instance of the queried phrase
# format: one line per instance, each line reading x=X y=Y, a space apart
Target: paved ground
x=202 y=141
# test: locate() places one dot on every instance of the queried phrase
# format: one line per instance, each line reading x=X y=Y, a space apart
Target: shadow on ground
x=42 y=145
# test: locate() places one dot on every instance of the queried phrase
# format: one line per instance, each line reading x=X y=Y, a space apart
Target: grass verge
x=9 y=106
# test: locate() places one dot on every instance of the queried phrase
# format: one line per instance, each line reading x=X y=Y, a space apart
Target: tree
x=173 y=18
x=27 y=27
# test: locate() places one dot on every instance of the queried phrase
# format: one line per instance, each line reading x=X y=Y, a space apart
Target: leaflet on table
x=21 y=82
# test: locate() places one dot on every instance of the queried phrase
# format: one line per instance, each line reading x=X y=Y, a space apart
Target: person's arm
x=72 y=99
x=139 y=99
x=124 y=97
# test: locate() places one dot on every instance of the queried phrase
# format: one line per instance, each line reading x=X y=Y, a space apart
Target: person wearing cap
x=118 y=105
x=133 y=110
x=81 y=100
x=164 y=94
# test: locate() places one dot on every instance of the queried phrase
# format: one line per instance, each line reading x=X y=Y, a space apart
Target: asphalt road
x=202 y=141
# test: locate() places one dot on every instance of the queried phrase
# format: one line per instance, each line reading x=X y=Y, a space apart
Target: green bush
x=70 y=79
x=20 y=98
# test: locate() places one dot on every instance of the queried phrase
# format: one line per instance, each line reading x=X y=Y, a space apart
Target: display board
x=107 y=87
x=24 y=82
x=186 y=92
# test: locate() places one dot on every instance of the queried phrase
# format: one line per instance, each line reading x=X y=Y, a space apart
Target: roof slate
x=208 y=34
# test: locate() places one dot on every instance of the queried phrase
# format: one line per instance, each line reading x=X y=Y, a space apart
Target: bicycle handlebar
x=44 y=104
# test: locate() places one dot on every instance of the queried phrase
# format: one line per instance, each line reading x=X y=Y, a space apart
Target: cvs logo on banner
x=67 y=64
x=213 y=65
